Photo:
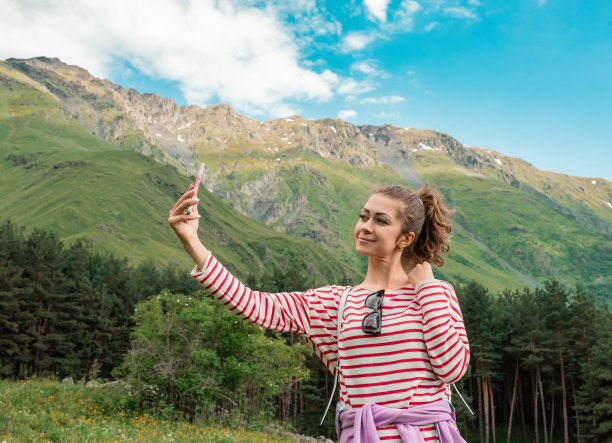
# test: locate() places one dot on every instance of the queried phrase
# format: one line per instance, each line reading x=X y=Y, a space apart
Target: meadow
x=46 y=411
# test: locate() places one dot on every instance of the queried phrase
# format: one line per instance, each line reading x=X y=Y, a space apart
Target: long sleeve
x=312 y=313
x=443 y=329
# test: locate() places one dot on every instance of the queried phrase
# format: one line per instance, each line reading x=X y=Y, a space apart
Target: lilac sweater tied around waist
x=359 y=425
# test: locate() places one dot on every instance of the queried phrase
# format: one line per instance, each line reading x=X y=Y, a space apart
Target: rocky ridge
x=158 y=127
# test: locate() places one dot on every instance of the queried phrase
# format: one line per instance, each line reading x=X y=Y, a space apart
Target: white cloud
x=430 y=26
x=388 y=116
x=369 y=68
x=474 y=2
x=304 y=17
x=365 y=67
x=410 y=7
x=350 y=86
x=356 y=41
x=377 y=8
x=330 y=77
x=347 y=115
x=403 y=19
x=214 y=50
x=460 y=12
x=542 y=2
x=385 y=99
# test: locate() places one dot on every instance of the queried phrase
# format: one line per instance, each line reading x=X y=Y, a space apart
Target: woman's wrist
x=191 y=242
x=197 y=251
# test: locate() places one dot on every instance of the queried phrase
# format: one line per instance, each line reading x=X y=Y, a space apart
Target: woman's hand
x=185 y=225
x=420 y=273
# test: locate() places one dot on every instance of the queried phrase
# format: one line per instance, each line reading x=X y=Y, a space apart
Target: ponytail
x=425 y=214
x=433 y=240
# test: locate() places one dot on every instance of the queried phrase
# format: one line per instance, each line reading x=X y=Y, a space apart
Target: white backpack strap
x=341 y=305
x=461 y=397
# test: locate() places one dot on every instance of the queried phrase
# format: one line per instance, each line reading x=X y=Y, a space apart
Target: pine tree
x=14 y=340
x=55 y=310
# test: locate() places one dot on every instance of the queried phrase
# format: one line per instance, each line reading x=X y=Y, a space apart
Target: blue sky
x=529 y=78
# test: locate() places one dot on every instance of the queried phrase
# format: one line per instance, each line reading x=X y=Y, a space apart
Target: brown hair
x=425 y=214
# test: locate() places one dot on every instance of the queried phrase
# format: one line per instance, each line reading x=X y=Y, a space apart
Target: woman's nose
x=368 y=225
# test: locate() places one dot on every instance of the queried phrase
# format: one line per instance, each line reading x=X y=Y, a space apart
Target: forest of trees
x=540 y=369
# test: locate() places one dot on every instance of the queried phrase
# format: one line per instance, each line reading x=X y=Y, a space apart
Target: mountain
x=54 y=174
x=515 y=225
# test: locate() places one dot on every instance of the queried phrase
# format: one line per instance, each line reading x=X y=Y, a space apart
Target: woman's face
x=379 y=228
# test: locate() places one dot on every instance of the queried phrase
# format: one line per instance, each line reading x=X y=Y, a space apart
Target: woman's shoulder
x=447 y=285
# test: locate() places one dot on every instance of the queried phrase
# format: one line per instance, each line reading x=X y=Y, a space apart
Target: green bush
x=191 y=356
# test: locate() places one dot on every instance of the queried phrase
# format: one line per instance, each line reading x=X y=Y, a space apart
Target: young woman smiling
x=401 y=341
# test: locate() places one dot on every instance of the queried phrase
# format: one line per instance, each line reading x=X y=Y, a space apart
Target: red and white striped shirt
x=421 y=349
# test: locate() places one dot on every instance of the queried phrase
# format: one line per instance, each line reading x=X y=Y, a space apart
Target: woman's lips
x=365 y=240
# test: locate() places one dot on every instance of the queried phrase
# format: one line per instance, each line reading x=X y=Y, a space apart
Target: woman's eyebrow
x=378 y=213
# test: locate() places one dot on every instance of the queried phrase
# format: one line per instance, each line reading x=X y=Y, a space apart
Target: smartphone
x=197 y=184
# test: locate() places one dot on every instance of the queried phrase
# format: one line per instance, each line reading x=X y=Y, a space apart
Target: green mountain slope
x=55 y=175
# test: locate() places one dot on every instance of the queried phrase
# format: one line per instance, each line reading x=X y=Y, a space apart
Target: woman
x=402 y=340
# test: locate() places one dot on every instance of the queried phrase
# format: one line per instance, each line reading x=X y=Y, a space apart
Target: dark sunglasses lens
x=371 y=323
x=374 y=301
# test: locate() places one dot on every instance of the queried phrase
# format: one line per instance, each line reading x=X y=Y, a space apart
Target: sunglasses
x=372 y=322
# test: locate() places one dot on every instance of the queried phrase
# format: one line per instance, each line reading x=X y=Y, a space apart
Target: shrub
x=192 y=356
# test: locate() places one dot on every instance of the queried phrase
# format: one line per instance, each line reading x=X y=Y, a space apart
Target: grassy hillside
x=531 y=235
x=54 y=174
x=40 y=410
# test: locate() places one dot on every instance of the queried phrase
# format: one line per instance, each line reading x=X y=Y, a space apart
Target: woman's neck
x=385 y=273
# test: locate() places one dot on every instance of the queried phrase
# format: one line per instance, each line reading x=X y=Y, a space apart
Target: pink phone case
x=197 y=183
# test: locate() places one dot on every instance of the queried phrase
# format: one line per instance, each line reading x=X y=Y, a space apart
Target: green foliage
x=544 y=343
x=66 y=311
x=194 y=355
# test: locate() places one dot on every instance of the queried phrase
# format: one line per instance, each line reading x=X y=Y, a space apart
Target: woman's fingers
x=187 y=193
x=178 y=212
x=184 y=217
x=187 y=203
x=194 y=209
x=181 y=201
x=420 y=272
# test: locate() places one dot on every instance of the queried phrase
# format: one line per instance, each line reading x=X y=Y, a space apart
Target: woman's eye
x=380 y=220
x=363 y=217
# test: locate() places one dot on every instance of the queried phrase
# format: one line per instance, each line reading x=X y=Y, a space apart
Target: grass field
x=44 y=410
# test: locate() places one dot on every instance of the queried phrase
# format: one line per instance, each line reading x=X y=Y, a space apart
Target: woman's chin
x=366 y=252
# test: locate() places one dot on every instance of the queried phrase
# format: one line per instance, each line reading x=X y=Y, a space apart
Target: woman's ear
x=406 y=240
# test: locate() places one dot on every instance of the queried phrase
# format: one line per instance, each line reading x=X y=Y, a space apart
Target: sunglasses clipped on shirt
x=372 y=323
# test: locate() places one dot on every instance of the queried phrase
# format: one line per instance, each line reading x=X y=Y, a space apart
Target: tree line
x=541 y=364
x=67 y=311
x=540 y=369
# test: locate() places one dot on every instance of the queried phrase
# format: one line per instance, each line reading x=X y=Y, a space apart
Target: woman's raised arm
x=312 y=313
